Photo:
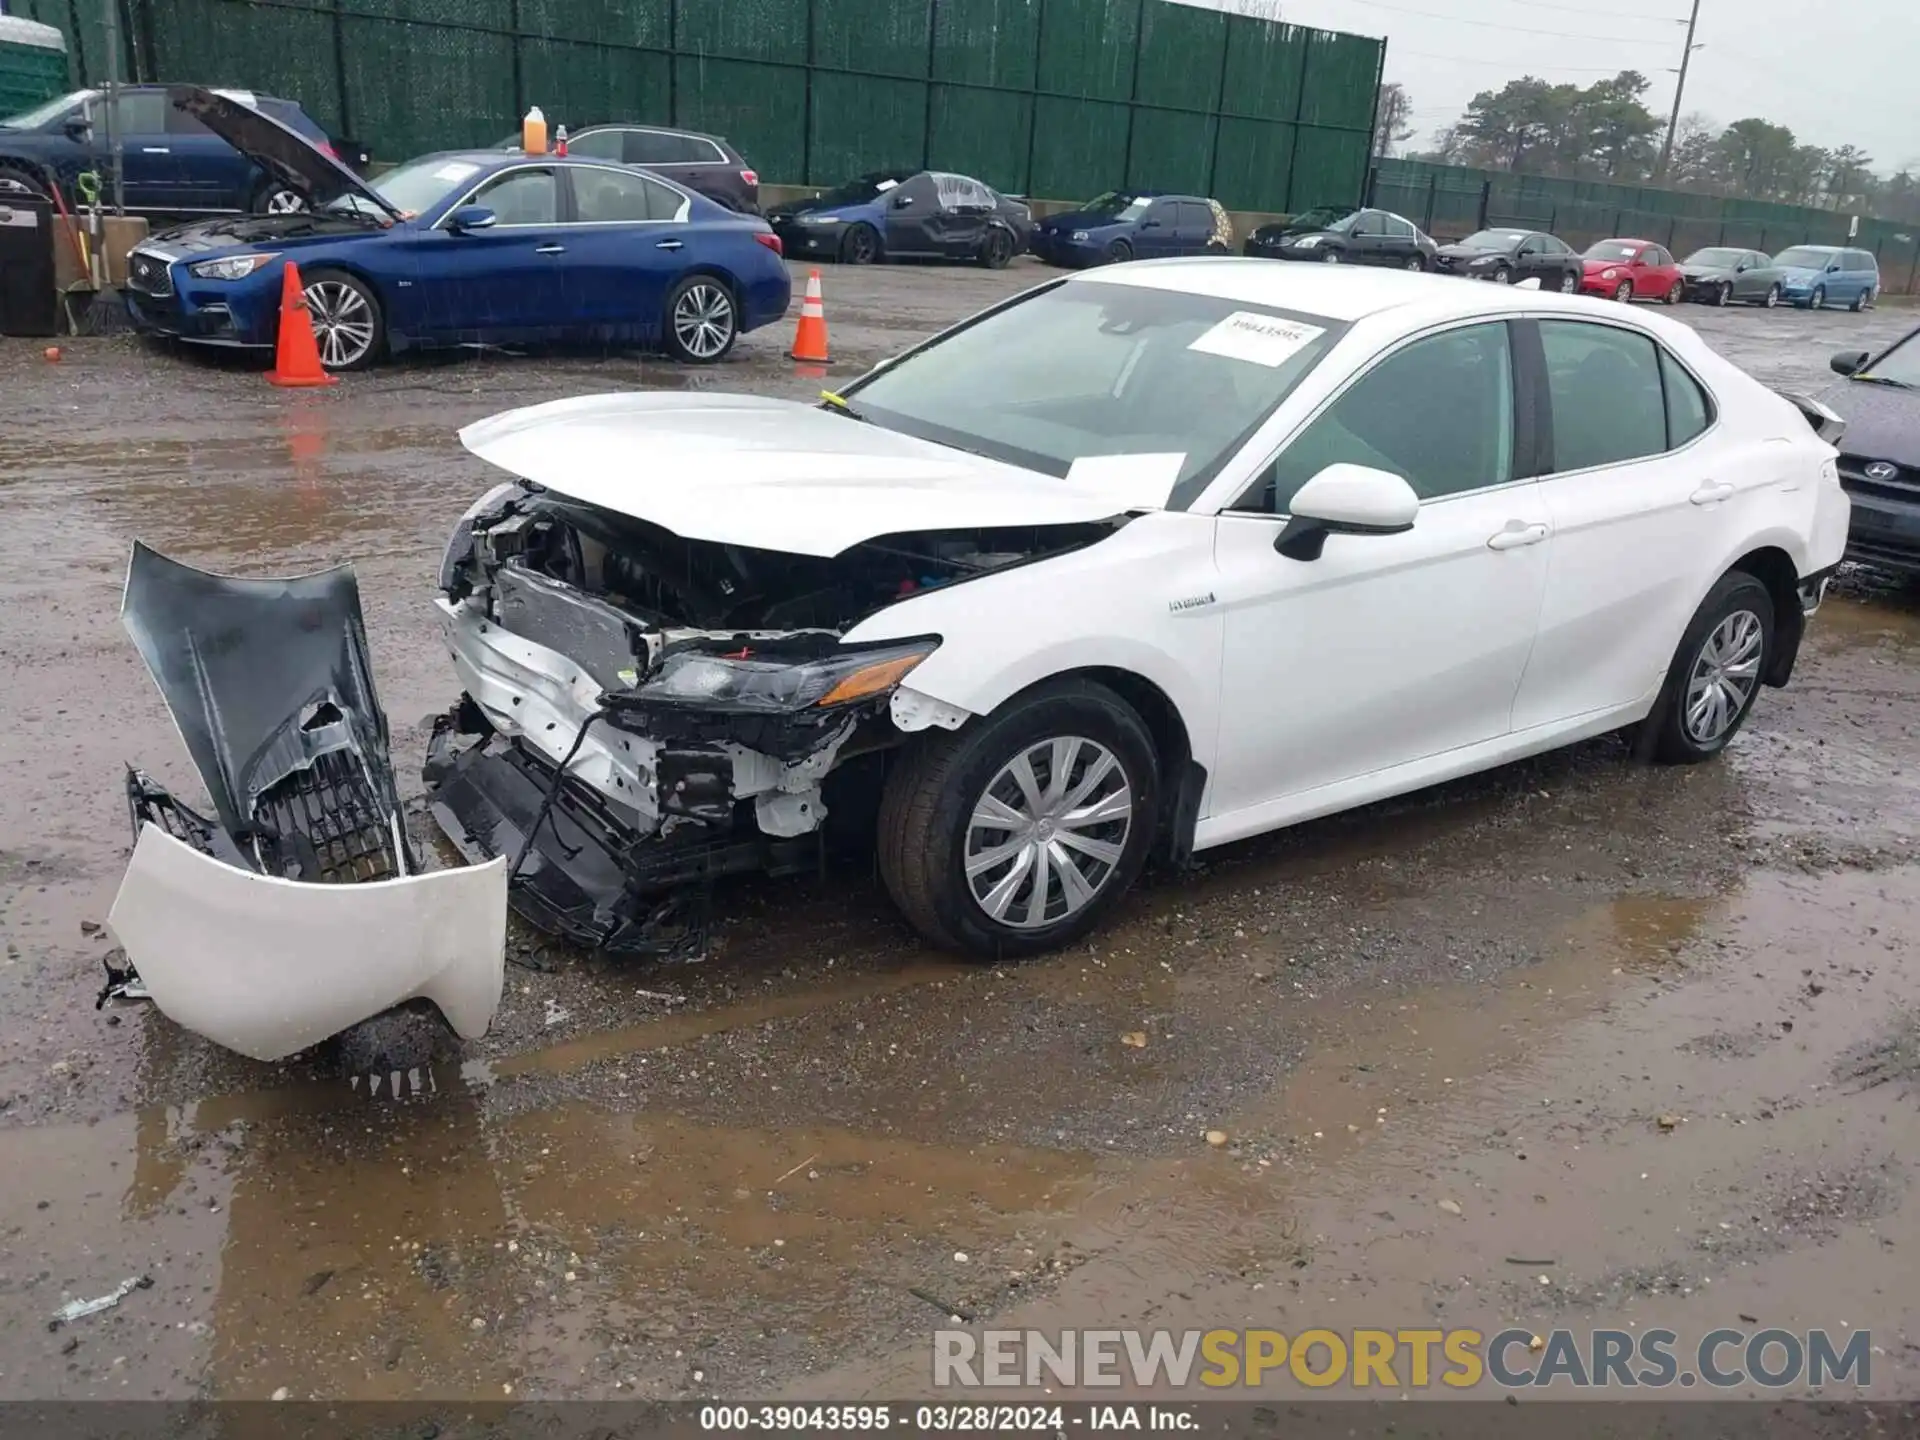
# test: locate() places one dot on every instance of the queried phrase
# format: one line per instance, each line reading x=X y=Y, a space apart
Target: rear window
x=293 y=117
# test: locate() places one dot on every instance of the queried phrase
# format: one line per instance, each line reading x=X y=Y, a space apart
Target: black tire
x=997 y=249
x=1772 y=302
x=20 y=175
x=1119 y=252
x=1502 y=275
x=326 y=291
x=1723 y=295
x=860 y=245
x=1817 y=300
x=1569 y=284
x=273 y=198
x=700 y=321
x=1623 y=293
x=1218 y=247
x=929 y=799
x=1861 y=301
x=1415 y=263
x=1669 y=739
x=1676 y=294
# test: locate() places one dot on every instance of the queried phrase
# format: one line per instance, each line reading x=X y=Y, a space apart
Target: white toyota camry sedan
x=1143 y=561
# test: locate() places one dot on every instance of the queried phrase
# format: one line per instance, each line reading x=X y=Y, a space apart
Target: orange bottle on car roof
x=533 y=132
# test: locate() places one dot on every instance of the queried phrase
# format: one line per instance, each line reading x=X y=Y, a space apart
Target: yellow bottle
x=533 y=132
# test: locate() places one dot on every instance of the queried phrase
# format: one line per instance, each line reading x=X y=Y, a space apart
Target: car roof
x=650 y=129
x=1338 y=292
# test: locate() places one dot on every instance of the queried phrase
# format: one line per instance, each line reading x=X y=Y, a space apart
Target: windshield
x=1115 y=206
x=1803 y=257
x=867 y=187
x=1716 y=259
x=1901 y=365
x=1612 y=250
x=1323 y=217
x=1088 y=369
x=43 y=114
x=413 y=188
x=1494 y=240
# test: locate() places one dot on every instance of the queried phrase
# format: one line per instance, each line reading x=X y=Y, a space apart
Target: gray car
x=1722 y=275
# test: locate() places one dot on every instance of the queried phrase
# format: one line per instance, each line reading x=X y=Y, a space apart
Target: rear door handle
x=666 y=245
x=1516 y=535
x=1711 y=493
x=549 y=249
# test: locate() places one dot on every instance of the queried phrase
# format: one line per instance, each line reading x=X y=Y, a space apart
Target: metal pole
x=1679 y=90
x=111 y=9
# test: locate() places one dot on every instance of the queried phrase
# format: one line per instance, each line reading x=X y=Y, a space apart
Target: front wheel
x=1016 y=834
x=860 y=245
x=1502 y=275
x=1416 y=263
x=1723 y=296
x=1623 y=292
x=1818 y=300
x=1772 y=302
x=996 y=250
x=1119 y=252
x=1330 y=257
x=702 y=320
x=11 y=176
x=1715 y=673
x=348 y=327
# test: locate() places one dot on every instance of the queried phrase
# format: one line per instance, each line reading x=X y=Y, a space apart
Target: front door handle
x=1711 y=493
x=549 y=249
x=666 y=245
x=1516 y=535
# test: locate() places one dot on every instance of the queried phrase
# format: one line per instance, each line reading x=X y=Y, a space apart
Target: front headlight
x=1080 y=237
x=234 y=267
x=1608 y=274
x=747 y=680
x=1307 y=242
x=1484 y=260
x=819 y=219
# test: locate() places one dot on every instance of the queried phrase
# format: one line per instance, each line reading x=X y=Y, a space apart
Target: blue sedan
x=460 y=248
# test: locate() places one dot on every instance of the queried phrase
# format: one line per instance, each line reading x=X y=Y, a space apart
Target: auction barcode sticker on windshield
x=1258 y=339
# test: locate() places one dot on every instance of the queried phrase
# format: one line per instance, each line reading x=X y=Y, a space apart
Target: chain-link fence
x=1451 y=201
x=1052 y=98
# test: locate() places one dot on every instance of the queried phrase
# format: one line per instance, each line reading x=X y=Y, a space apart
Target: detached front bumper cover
x=297 y=910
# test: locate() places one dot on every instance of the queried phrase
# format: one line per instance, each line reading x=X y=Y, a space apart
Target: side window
x=958 y=192
x=1533 y=245
x=1163 y=212
x=1438 y=412
x=1398 y=228
x=599 y=145
x=140 y=112
x=1657 y=256
x=653 y=147
x=609 y=196
x=1863 y=261
x=521 y=197
x=1688 y=410
x=1195 y=219
x=1608 y=404
x=1367 y=222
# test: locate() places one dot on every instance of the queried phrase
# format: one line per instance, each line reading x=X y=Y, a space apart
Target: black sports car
x=899 y=214
x=1880 y=452
x=1340 y=234
x=1511 y=256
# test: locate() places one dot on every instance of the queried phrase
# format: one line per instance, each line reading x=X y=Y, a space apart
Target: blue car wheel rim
x=703 y=320
x=342 y=322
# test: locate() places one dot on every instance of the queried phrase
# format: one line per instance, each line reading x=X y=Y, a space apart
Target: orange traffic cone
x=296 y=359
x=810 y=337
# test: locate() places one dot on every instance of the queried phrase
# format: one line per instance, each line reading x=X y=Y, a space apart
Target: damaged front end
x=645 y=713
x=298 y=909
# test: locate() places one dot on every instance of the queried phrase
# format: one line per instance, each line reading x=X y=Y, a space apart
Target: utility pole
x=1679 y=90
x=111 y=16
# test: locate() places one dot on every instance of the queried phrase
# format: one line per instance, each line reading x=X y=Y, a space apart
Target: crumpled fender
x=269 y=967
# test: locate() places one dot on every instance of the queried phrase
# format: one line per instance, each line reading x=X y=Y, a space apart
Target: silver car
x=1721 y=275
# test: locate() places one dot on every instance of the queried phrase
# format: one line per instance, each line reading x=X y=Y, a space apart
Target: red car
x=1632 y=270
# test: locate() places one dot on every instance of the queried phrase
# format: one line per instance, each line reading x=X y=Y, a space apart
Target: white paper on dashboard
x=1142 y=482
x=1258 y=339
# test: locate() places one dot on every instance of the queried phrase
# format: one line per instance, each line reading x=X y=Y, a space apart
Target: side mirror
x=1346 y=500
x=471 y=217
x=901 y=202
x=1849 y=362
x=1834 y=268
x=76 y=127
x=1149 y=224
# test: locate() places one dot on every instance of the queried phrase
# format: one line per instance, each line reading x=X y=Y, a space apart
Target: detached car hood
x=779 y=475
x=285 y=154
x=1883 y=422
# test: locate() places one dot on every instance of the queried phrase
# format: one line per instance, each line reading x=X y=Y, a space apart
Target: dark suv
x=171 y=164
x=706 y=163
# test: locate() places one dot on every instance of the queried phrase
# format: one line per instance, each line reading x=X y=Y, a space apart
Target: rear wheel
x=996 y=250
x=1018 y=833
x=1119 y=252
x=1569 y=283
x=348 y=326
x=860 y=245
x=1715 y=673
x=702 y=320
x=1862 y=300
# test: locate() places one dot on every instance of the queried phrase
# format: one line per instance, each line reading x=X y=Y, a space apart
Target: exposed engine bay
x=644 y=713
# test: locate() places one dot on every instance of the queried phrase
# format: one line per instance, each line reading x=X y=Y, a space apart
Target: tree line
x=1604 y=131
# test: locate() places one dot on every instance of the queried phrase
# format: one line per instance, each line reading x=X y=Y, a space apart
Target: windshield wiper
x=1886 y=380
x=839 y=406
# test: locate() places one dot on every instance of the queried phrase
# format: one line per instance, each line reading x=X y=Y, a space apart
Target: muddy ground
x=1652 y=1032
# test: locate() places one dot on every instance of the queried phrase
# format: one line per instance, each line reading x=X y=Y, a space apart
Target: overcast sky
x=1834 y=73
